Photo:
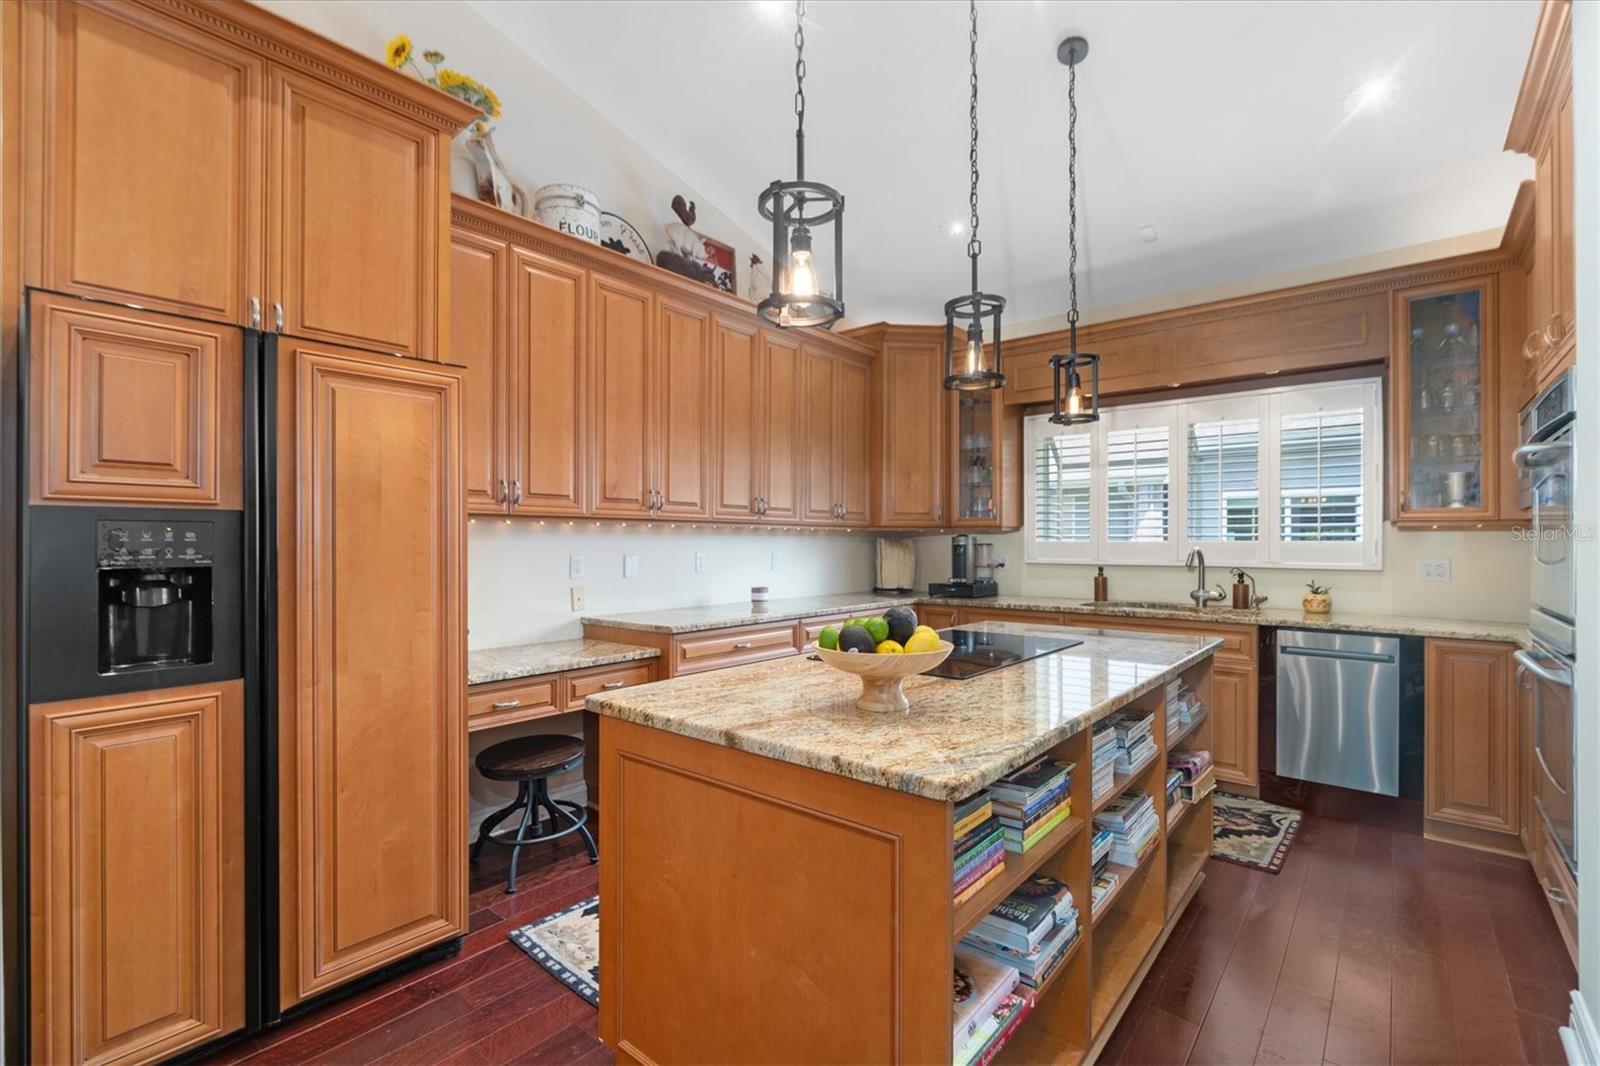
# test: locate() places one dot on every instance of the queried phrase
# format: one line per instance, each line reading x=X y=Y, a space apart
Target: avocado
x=902 y=623
x=856 y=638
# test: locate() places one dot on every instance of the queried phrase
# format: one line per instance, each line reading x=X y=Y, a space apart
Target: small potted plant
x=1318 y=598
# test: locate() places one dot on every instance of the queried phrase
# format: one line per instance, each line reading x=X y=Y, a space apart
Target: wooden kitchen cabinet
x=136 y=867
x=371 y=715
x=148 y=136
x=1444 y=404
x=480 y=326
x=681 y=381
x=1470 y=768
x=550 y=386
x=781 y=440
x=835 y=454
x=984 y=461
x=131 y=407
x=852 y=449
x=908 y=435
x=735 y=400
x=621 y=356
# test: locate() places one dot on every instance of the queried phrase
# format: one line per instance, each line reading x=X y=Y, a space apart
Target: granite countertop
x=1341 y=621
x=725 y=615
x=958 y=737
x=549 y=657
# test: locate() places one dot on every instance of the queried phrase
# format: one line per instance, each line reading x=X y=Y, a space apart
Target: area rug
x=567 y=943
x=1252 y=832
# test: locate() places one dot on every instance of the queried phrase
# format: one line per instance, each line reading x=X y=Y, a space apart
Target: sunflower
x=434 y=56
x=450 y=79
x=398 y=51
x=494 y=102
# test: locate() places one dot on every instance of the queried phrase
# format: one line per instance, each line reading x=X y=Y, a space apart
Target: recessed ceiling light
x=774 y=9
x=956 y=228
x=1370 y=95
x=1147 y=234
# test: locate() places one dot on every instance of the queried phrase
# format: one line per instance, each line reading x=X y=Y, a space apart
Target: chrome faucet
x=1200 y=594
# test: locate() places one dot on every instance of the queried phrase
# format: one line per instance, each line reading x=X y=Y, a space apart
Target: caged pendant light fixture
x=966 y=365
x=802 y=213
x=1075 y=403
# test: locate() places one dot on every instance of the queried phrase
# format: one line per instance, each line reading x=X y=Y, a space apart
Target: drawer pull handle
x=1556 y=896
x=506 y=705
x=743 y=645
x=1554 y=330
x=614 y=684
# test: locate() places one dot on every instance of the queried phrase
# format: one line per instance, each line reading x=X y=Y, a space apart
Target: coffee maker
x=964 y=580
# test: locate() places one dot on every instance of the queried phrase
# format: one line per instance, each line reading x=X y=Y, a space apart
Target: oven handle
x=1527 y=664
x=1531 y=455
x=1538 y=669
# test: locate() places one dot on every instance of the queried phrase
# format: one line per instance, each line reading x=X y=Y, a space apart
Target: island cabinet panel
x=480 y=319
x=550 y=386
x=621 y=358
x=681 y=378
x=371 y=713
x=137 y=873
x=834 y=894
x=149 y=151
x=132 y=407
x=736 y=418
x=1470 y=768
x=357 y=220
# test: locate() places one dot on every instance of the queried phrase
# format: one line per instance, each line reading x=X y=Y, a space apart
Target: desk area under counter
x=804 y=849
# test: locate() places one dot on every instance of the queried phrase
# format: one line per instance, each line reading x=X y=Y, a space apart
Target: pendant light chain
x=1072 y=199
x=800 y=86
x=974 y=245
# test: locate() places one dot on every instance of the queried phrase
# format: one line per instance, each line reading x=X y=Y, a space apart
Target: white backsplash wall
x=518 y=589
x=1488 y=577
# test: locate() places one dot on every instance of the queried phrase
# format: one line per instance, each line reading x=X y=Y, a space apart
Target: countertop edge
x=912 y=783
x=574 y=662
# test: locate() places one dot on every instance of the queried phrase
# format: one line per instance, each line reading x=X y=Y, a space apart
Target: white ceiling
x=1222 y=125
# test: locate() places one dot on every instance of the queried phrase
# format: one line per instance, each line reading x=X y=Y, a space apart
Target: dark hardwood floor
x=1372 y=946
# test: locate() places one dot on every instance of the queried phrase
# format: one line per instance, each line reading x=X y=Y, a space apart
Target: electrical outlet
x=699 y=562
x=1436 y=569
x=575 y=567
x=630 y=564
x=776 y=562
x=577 y=597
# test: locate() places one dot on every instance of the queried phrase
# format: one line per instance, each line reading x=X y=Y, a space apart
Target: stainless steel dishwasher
x=1339 y=709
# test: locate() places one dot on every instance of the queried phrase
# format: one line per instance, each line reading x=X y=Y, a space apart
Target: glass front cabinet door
x=1445 y=406
x=975 y=448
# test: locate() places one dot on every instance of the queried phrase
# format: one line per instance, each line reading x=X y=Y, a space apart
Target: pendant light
x=800 y=212
x=1074 y=403
x=966 y=367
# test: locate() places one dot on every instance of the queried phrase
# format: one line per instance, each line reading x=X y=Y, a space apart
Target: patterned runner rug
x=1252 y=832
x=567 y=943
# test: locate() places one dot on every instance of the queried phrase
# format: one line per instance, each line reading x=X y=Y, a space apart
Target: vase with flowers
x=494 y=184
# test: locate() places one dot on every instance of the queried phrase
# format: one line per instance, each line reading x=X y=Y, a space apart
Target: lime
x=889 y=647
x=828 y=639
x=878 y=628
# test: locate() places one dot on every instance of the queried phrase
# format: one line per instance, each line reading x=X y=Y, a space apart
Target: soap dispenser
x=1102 y=591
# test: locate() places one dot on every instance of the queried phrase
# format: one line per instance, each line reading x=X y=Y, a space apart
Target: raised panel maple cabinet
x=909 y=433
x=480 y=323
x=621 y=356
x=1470 y=725
x=834 y=450
x=852 y=443
x=371 y=717
x=681 y=379
x=781 y=442
x=132 y=407
x=735 y=396
x=137 y=873
x=259 y=175
x=549 y=385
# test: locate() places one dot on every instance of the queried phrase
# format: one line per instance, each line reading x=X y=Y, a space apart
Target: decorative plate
x=620 y=235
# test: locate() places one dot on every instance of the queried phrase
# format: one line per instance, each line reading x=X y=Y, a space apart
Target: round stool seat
x=525 y=757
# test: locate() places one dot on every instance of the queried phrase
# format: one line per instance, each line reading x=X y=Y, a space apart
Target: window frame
x=1268 y=407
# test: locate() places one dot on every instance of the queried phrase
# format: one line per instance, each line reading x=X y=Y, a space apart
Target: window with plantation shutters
x=1274 y=477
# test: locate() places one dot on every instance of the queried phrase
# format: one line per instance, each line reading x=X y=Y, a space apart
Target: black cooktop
x=977 y=651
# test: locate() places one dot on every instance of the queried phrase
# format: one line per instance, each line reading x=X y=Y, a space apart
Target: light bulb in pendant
x=802 y=272
x=1074 y=395
x=974 y=356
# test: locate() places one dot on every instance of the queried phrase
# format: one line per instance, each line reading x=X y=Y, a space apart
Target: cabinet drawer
x=1238 y=642
x=1003 y=614
x=582 y=684
x=504 y=702
x=733 y=647
x=1562 y=893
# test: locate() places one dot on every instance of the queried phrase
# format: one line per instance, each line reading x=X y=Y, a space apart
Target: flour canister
x=569 y=208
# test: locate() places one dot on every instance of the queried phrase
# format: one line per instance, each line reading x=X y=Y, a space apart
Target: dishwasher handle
x=1334 y=653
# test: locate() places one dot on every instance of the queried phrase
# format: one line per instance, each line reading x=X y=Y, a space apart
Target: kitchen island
x=776 y=865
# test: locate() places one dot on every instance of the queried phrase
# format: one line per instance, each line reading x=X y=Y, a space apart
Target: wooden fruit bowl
x=883 y=676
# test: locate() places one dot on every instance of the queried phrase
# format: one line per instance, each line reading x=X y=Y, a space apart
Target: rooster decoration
x=685 y=252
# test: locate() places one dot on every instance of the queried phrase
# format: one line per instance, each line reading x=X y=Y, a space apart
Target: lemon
x=924 y=629
x=889 y=647
x=922 y=640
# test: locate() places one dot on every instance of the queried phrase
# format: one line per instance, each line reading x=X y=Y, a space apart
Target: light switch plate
x=699 y=562
x=575 y=567
x=1435 y=569
x=630 y=564
x=776 y=562
x=577 y=597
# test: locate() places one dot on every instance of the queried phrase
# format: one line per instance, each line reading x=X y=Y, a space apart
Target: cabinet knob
x=1400 y=500
x=1533 y=345
x=255 y=312
x=516 y=493
x=1556 y=896
x=500 y=491
x=1554 y=330
x=277 y=316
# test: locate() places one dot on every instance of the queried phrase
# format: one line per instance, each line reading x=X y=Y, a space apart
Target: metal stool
x=529 y=761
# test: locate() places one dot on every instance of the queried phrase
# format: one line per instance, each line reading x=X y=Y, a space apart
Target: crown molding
x=295 y=46
x=1545 y=78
